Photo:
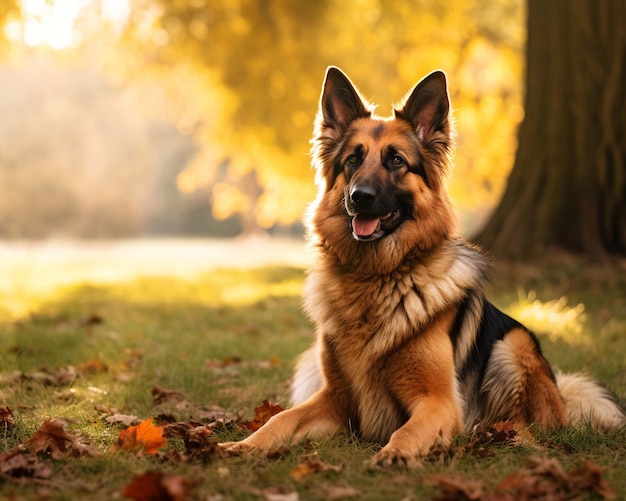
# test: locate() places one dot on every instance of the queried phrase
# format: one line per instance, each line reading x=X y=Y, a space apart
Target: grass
x=168 y=329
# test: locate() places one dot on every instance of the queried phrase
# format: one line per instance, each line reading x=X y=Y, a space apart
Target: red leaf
x=6 y=420
x=157 y=486
x=262 y=414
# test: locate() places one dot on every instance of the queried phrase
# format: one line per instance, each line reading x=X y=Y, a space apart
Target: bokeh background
x=135 y=118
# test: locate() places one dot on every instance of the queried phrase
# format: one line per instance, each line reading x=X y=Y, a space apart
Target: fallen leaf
x=125 y=419
x=162 y=395
x=228 y=364
x=221 y=363
x=92 y=367
x=157 y=486
x=311 y=464
x=545 y=478
x=480 y=442
x=142 y=438
x=6 y=420
x=19 y=463
x=54 y=440
x=65 y=395
x=262 y=414
x=64 y=376
x=457 y=489
x=503 y=431
x=198 y=440
x=210 y=414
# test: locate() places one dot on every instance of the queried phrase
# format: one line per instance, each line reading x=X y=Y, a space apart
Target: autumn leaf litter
x=167 y=439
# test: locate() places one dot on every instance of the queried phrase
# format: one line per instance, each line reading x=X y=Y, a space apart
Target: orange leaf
x=311 y=464
x=262 y=414
x=145 y=437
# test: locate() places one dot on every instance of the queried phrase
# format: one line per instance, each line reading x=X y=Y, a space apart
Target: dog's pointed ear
x=340 y=103
x=427 y=105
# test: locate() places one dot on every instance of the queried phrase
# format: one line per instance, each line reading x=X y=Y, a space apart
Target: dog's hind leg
x=519 y=385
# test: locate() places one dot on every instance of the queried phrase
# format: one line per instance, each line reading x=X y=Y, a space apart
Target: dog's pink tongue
x=364 y=227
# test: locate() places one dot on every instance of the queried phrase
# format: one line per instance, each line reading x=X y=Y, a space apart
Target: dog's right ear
x=340 y=103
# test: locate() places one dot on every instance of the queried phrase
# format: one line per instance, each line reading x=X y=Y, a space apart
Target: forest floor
x=122 y=364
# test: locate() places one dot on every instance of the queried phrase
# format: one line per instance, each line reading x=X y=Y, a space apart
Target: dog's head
x=382 y=180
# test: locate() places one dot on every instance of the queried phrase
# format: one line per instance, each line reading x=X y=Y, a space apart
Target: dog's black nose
x=362 y=195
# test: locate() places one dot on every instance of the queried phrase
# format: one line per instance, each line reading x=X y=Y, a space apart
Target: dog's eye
x=352 y=160
x=396 y=161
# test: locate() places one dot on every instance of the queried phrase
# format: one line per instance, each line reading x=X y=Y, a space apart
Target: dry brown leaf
x=19 y=463
x=221 y=363
x=164 y=396
x=198 y=440
x=504 y=431
x=457 y=489
x=125 y=419
x=54 y=440
x=217 y=365
x=6 y=420
x=480 y=442
x=545 y=478
x=311 y=464
x=157 y=486
x=262 y=414
x=64 y=376
x=143 y=438
x=92 y=367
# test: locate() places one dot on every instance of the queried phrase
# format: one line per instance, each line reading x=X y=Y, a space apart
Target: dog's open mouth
x=367 y=227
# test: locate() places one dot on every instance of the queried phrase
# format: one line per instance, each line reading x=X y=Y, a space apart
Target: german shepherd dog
x=409 y=352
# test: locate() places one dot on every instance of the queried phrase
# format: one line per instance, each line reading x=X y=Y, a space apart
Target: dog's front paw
x=390 y=456
x=235 y=448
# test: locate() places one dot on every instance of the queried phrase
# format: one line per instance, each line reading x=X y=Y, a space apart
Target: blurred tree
x=262 y=65
x=568 y=185
x=240 y=79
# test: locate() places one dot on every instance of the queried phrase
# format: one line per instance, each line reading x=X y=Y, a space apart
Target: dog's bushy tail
x=588 y=403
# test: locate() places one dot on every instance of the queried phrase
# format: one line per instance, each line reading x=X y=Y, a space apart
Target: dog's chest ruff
x=379 y=312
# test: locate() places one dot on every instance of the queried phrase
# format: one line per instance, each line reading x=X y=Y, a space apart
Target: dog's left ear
x=340 y=103
x=427 y=106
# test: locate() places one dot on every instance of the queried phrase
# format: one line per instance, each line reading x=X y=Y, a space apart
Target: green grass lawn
x=227 y=339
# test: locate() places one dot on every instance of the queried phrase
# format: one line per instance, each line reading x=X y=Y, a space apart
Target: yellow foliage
x=229 y=200
x=243 y=77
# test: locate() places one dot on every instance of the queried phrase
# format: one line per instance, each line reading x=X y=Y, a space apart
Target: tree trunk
x=567 y=188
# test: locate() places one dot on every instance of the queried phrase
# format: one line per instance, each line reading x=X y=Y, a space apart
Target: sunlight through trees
x=238 y=81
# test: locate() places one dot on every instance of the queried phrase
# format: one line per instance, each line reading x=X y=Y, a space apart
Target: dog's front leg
x=316 y=418
x=434 y=420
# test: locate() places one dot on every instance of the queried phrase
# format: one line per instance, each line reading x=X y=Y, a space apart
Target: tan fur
x=408 y=352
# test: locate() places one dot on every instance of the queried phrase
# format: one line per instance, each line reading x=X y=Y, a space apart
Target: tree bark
x=567 y=188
